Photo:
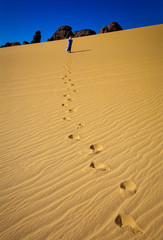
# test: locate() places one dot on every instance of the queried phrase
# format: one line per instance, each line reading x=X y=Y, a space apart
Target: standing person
x=68 y=49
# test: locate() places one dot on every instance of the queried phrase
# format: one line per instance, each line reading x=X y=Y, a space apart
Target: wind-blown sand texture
x=81 y=138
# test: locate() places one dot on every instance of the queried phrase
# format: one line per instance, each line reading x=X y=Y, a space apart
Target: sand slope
x=81 y=138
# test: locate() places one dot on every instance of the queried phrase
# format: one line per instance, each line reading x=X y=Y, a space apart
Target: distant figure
x=68 y=49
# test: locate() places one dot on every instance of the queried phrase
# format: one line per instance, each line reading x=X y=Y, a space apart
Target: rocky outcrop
x=25 y=42
x=62 y=33
x=66 y=32
x=36 y=37
x=103 y=30
x=114 y=26
x=15 y=44
x=66 y=28
x=84 y=32
x=8 y=44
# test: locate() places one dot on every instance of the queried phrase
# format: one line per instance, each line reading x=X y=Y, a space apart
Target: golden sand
x=81 y=138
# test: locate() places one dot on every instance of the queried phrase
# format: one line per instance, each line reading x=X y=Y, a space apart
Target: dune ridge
x=81 y=138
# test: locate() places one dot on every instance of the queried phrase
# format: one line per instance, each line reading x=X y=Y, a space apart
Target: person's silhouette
x=68 y=49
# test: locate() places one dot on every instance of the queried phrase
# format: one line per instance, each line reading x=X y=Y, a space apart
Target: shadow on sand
x=81 y=51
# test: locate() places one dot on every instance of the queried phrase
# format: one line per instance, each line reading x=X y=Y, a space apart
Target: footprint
x=70 y=99
x=128 y=223
x=74 y=136
x=99 y=166
x=67 y=118
x=81 y=125
x=127 y=189
x=71 y=110
x=96 y=148
x=65 y=82
x=72 y=84
x=66 y=95
x=65 y=104
x=93 y=149
x=75 y=90
x=69 y=80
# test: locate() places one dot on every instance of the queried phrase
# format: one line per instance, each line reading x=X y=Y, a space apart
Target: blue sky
x=19 y=20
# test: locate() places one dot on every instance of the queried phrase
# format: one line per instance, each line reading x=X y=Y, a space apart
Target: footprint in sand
x=93 y=149
x=72 y=84
x=99 y=166
x=128 y=223
x=96 y=148
x=65 y=104
x=69 y=80
x=74 y=136
x=127 y=189
x=81 y=125
x=75 y=90
x=66 y=95
x=70 y=99
x=67 y=119
x=65 y=82
x=71 y=110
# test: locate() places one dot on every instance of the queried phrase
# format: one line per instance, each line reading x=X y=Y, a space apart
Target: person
x=68 y=49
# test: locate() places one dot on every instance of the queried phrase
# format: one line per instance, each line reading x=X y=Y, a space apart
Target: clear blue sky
x=19 y=20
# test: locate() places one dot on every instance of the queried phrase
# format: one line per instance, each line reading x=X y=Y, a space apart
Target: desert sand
x=81 y=138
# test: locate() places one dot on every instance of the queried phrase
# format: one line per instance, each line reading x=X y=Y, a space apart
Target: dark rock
x=103 y=30
x=67 y=28
x=8 y=44
x=75 y=33
x=25 y=42
x=36 y=37
x=84 y=32
x=62 y=33
x=15 y=44
x=114 y=26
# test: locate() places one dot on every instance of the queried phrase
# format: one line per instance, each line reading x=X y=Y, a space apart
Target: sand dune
x=81 y=138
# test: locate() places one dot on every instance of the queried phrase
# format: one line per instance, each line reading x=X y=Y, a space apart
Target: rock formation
x=66 y=32
x=36 y=37
x=103 y=30
x=84 y=32
x=25 y=42
x=62 y=33
x=7 y=44
x=113 y=26
x=15 y=44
